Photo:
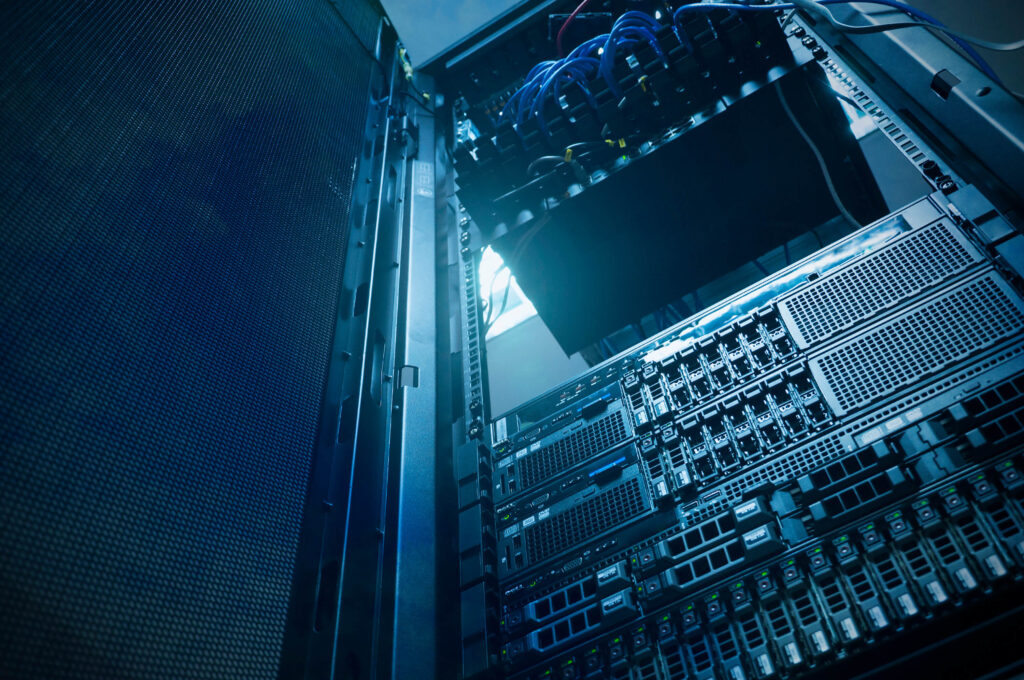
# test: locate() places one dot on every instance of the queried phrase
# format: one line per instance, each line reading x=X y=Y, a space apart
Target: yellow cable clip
x=406 y=64
x=568 y=155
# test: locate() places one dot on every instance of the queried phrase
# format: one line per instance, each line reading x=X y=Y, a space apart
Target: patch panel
x=721 y=438
x=930 y=404
x=711 y=365
x=655 y=88
x=771 y=335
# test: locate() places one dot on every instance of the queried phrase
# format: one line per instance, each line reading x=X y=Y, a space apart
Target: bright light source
x=657 y=14
x=600 y=50
x=494 y=279
x=860 y=123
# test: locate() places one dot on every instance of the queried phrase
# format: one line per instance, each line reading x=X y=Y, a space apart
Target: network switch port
x=713 y=364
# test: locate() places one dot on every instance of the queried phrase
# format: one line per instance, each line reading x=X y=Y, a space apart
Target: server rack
x=610 y=518
x=246 y=420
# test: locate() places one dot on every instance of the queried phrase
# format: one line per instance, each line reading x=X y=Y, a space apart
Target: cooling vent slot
x=590 y=518
x=917 y=262
x=556 y=458
x=937 y=334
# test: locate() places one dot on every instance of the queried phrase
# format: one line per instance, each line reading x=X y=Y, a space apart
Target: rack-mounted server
x=780 y=491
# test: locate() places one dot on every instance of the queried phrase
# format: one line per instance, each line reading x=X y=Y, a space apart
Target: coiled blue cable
x=628 y=30
x=572 y=69
x=535 y=72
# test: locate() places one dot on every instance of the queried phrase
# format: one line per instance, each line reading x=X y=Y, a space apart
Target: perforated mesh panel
x=914 y=263
x=175 y=183
x=577 y=447
x=591 y=517
x=912 y=346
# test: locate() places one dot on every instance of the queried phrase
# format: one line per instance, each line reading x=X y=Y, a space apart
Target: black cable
x=517 y=253
x=685 y=313
x=490 y=292
x=570 y=153
x=585 y=145
x=543 y=159
x=817 y=237
x=423 y=97
x=826 y=175
x=848 y=100
x=501 y=309
x=511 y=262
x=373 y=57
x=418 y=101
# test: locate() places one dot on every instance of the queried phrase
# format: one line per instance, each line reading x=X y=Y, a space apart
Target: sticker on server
x=423 y=179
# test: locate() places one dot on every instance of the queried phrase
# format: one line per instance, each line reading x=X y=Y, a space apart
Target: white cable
x=817 y=155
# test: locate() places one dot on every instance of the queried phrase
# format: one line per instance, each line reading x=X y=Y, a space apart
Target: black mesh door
x=175 y=188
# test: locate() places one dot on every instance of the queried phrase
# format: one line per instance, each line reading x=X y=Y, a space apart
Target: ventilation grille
x=902 y=270
x=921 y=342
x=577 y=447
x=591 y=517
x=176 y=182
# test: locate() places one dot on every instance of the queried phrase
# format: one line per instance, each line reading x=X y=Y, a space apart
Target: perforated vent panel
x=905 y=350
x=914 y=263
x=176 y=185
x=576 y=448
x=591 y=517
